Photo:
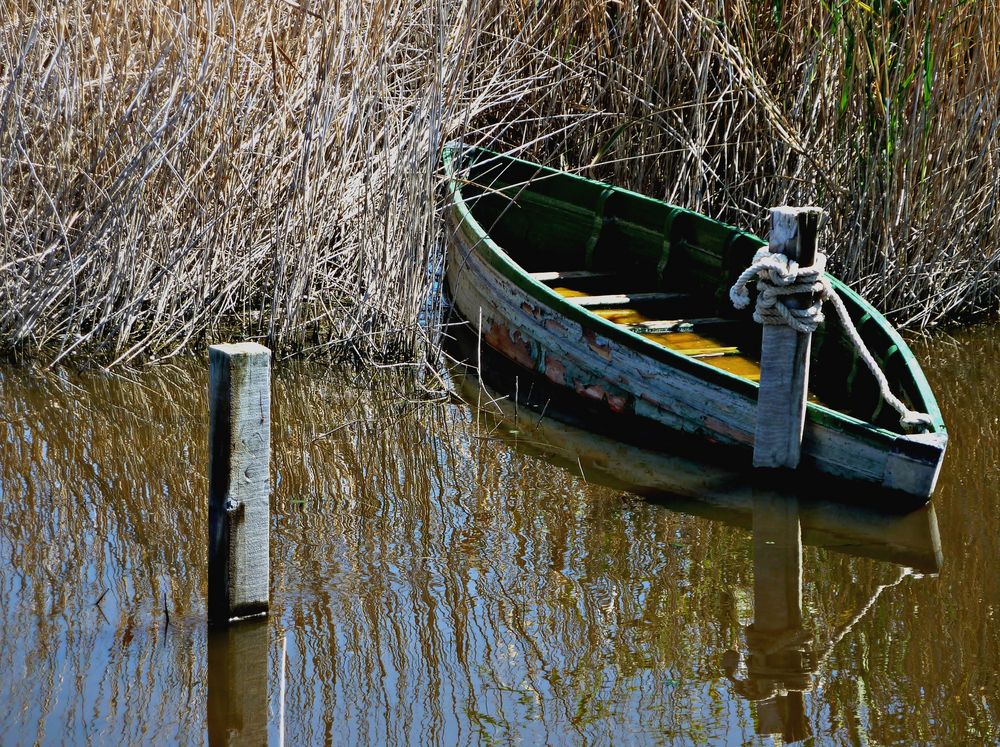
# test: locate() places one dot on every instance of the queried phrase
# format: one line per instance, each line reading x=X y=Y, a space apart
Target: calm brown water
x=433 y=584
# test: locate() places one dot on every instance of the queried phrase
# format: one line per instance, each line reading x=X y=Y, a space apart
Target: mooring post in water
x=239 y=394
x=784 y=355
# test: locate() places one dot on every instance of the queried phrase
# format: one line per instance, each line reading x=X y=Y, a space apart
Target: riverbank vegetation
x=172 y=172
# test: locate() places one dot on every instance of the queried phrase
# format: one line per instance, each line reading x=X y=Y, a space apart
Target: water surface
x=435 y=580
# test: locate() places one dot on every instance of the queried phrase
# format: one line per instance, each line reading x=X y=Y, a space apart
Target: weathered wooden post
x=784 y=356
x=239 y=481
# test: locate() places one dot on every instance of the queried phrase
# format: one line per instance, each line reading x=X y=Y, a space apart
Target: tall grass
x=174 y=171
x=884 y=113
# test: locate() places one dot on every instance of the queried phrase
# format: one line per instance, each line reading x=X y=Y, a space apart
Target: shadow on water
x=436 y=579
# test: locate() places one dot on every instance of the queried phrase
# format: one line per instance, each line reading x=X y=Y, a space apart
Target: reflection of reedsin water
x=437 y=580
x=781 y=654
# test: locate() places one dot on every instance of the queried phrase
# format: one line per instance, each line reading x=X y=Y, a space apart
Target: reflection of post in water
x=237 y=684
x=780 y=660
x=782 y=654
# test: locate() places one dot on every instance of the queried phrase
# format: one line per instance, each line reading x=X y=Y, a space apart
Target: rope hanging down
x=778 y=277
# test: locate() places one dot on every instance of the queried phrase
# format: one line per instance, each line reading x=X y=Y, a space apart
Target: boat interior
x=664 y=273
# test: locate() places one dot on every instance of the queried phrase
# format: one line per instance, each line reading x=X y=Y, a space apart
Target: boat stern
x=914 y=463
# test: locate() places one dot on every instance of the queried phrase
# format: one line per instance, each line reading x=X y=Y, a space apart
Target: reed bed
x=175 y=172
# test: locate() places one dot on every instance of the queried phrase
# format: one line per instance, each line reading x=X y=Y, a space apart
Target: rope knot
x=779 y=277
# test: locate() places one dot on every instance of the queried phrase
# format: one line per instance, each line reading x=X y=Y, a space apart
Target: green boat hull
x=510 y=222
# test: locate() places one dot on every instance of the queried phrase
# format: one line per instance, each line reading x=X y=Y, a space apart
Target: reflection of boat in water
x=781 y=653
x=686 y=481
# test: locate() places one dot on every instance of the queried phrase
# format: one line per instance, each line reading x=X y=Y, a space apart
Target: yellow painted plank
x=719 y=354
x=736 y=364
x=711 y=350
x=622 y=316
x=569 y=292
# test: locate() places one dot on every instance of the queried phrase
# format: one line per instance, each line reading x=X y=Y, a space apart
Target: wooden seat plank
x=735 y=364
x=552 y=277
x=710 y=352
x=625 y=299
x=664 y=326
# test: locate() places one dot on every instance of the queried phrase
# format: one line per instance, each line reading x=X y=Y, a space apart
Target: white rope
x=778 y=277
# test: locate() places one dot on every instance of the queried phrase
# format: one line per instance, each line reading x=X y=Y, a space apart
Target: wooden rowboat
x=623 y=300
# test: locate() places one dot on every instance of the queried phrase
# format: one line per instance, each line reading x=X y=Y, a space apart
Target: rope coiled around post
x=779 y=277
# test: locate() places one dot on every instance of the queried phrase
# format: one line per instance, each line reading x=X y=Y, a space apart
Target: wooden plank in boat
x=711 y=352
x=664 y=326
x=552 y=277
x=624 y=299
x=621 y=316
x=736 y=364
x=683 y=342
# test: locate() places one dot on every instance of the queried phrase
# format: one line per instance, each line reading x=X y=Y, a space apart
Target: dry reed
x=175 y=172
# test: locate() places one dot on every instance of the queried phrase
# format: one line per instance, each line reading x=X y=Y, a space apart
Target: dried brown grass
x=174 y=172
x=885 y=113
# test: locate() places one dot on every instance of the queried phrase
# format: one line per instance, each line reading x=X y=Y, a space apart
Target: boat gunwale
x=501 y=261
